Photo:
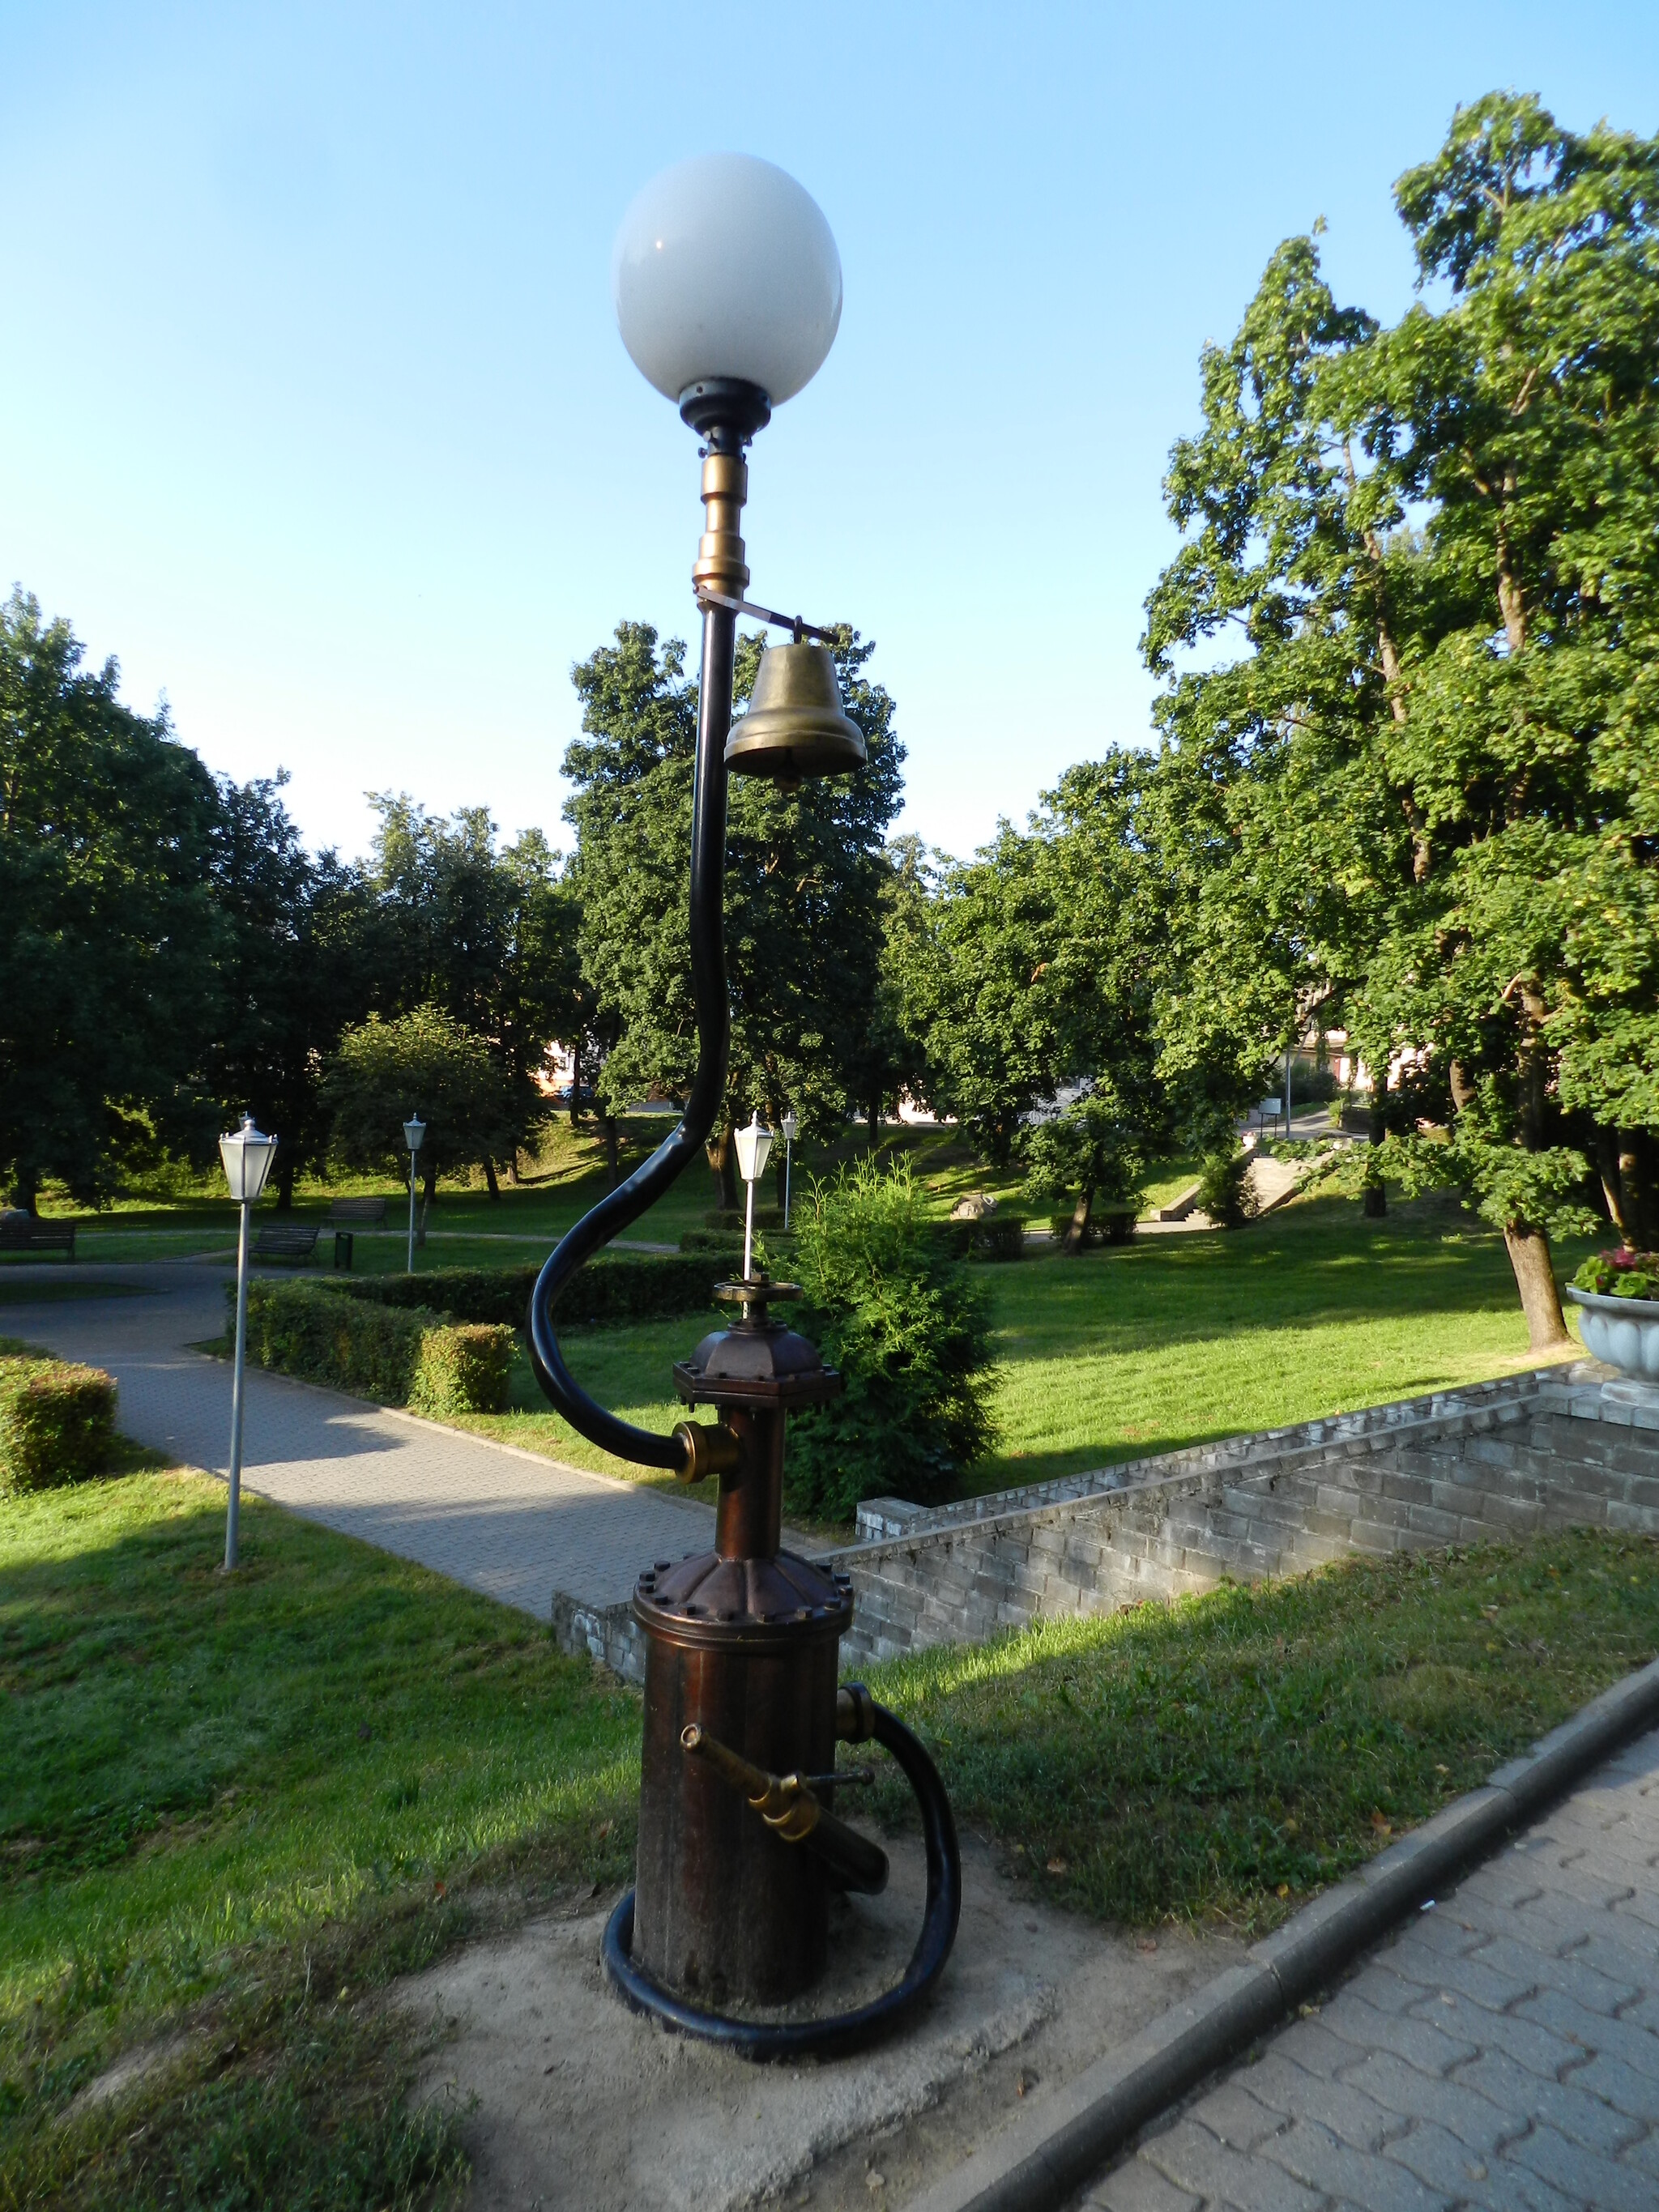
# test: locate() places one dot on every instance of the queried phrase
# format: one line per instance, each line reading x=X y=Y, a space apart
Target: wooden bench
x=22 y=1232
x=357 y=1212
x=284 y=1240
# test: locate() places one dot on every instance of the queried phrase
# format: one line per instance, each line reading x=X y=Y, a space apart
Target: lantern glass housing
x=725 y=267
x=791 y=1126
x=414 y=1131
x=247 y=1155
x=754 y=1150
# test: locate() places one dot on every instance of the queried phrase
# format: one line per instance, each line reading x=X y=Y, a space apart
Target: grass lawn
x=232 y=1812
x=1223 y=1758
x=1142 y=1348
x=233 y=1807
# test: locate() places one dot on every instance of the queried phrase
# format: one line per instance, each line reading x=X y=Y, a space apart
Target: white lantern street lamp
x=724 y=267
x=754 y=1150
x=791 y=1131
x=414 y=1131
x=247 y=1155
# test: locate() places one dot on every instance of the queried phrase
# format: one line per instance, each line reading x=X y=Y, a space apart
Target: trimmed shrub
x=373 y=1350
x=998 y=1236
x=462 y=1369
x=56 y=1422
x=907 y=1329
x=631 y=1286
x=1108 y=1225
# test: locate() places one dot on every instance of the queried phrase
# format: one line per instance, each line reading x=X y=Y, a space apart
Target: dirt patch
x=567 y=2099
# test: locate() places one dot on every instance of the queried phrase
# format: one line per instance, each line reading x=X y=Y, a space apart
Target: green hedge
x=631 y=1286
x=403 y=1357
x=56 y=1422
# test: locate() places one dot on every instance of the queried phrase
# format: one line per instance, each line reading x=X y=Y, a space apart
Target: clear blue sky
x=313 y=413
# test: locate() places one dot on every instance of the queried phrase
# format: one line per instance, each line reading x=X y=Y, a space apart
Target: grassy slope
x=238 y=1802
x=1226 y=1756
x=1165 y=1342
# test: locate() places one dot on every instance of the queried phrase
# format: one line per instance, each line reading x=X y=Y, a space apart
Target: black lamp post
x=728 y=286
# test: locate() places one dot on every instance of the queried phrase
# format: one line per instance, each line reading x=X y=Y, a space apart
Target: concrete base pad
x=566 y=2098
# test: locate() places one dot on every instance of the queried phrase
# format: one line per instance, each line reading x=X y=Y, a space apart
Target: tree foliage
x=424 y=1063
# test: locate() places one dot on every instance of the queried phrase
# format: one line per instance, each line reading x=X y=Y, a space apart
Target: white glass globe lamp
x=726 y=269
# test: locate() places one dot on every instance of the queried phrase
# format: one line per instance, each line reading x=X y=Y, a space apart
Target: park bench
x=284 y=1240
x=22 y=1232
x=357 y=1213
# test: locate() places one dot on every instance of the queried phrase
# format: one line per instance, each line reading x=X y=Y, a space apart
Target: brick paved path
x=1502 y=2051
x=512 y=1524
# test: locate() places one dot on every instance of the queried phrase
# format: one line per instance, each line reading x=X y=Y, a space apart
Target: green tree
x=110 y=933
x=1423 y=801
x=806 y=875
x=293 y=970
x=422 y=1062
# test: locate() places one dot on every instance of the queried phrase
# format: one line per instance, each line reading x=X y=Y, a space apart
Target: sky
x=313 y=413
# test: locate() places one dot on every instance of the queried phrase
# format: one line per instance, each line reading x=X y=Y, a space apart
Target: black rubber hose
x=646 y=1184
x=843 y=2032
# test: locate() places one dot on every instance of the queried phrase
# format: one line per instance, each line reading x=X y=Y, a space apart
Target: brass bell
x=796 y=724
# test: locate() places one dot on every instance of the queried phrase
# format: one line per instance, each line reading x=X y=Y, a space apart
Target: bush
x=1223 y=1192
x=998 y=1236
x=462 y=1369
x=376 y=1351
x=907 y=1329
x=631 y=1287
x=1110 y=1224
x=56 y=1422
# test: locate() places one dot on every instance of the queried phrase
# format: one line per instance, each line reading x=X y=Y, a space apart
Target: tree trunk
x=285 y=1172
x=873 y=1111
x=1376 y=1202
x=1608 y=1165
x=491 y=1184
x=513 y=1168
x=1534 y=1277
x=575 y=1080
x=1077 y=1230
x=1636 y=1183
x=731 y=1199
x=612 y=1157
x=28 y=1194
x=430 y=1182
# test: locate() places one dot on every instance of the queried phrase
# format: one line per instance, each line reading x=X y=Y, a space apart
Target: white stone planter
x=1623 y=1332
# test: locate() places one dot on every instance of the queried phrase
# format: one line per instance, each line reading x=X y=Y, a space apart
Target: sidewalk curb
x=1046 y=2155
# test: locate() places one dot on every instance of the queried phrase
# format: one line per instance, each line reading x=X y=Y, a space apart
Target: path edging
x=1045 y=2157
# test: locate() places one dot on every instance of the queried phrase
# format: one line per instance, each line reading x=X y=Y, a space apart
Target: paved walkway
x=1502 y=2051
x=509 y=1523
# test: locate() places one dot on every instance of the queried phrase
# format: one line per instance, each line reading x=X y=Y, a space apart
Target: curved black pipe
x=842 y=2032
x=646 y=1184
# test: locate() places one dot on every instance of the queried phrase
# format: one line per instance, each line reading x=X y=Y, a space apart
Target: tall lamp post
x=754 y=1150
x=247 y=1155
x=727 y=286
x=791 y=1131
x=414 y=1131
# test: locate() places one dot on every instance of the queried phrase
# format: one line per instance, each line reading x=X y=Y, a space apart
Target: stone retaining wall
x=1554 y=1447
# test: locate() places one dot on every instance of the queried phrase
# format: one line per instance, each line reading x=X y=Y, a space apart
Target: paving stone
x=1569 y=2105
x=1591 y=2030
x=1580 y=2172
x=1454 y=2103
x=1623 y=2086
x=1317 y=2158
x=1420 y=2042
x=1291 y=2093
x=1191 y=2157
x=1535 y=2045
x=1233 y=2115
x=1477 y=1978
x=1441 y=2162
x=1139 y=2187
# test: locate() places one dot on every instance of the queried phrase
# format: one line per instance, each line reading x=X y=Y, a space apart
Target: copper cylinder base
x=726 y=1912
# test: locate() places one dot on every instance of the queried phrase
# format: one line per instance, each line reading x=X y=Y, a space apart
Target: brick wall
x=1552 y=1448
